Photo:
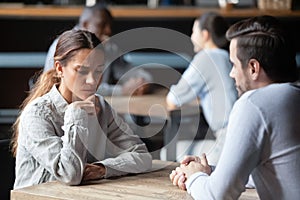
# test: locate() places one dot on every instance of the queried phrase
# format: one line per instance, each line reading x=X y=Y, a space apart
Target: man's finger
x=203 y=160
x=181 y=183
x=187 y=159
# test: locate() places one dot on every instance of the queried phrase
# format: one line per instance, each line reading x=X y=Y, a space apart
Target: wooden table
x=152 y=185
x=154 y=105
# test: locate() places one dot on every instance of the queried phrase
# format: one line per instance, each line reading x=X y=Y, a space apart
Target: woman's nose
x=91 y=79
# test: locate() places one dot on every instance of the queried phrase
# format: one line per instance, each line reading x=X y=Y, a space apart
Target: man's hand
x=178 y=178
x=187 y=159
x=93 y=172
x=191 y=165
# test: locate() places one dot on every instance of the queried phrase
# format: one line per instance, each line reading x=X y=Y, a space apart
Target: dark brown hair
x=217 y=26
x=264 y=38
x=68 y=44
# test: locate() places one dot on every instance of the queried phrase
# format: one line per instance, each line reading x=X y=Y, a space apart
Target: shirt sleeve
x=63 y=157
x=241 y=154
x=189 y=85
x=126 y=152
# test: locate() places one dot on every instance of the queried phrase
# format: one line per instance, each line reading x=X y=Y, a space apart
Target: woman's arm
x=190 y=84
x=126 y=152
x=63 y=156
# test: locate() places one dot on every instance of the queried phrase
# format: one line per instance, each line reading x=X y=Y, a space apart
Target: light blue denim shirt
x=56 y=141
x=207 y=77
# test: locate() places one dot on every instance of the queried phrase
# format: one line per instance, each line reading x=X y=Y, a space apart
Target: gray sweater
x=263 y=139
x=56 y=141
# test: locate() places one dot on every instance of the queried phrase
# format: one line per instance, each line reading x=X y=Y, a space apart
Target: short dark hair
x=90 y=11
x=217 y=26
x=264 y=38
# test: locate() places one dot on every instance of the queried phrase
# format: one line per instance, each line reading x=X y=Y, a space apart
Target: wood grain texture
x=151 y=185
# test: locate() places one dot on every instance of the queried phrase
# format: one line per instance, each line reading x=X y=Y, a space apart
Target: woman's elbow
x=72 y=176
x=71 y=181
x=146 y=162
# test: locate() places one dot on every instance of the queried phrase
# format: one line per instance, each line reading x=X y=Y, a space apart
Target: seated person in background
x=67 y=133
x=263 y=134
x=207 y=77
x=98 y=20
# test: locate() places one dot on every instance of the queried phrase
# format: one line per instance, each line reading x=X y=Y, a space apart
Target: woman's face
x=82 y=75
x=196 y=37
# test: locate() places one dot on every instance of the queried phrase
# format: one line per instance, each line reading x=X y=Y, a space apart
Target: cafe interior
x=28 y=27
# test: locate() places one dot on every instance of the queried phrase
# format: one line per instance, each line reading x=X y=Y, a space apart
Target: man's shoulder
x=268 y=94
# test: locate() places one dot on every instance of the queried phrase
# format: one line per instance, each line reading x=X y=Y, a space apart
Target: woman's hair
x=217 y=26
x=263 y=38
x=68 y=45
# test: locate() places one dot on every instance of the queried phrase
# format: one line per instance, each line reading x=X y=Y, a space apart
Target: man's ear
x=254 y=69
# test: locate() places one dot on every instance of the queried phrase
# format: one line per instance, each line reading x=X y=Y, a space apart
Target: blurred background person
x=119 y=78
x=207 y=78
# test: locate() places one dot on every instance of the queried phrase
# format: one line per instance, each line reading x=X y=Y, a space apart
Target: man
x=118 y=78
x=263 y=135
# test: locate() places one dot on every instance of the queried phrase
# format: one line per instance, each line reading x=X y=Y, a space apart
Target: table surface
x=152 y=105
x=152 y=185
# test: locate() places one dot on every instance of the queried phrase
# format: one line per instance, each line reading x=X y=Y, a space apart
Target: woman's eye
x=83 y=72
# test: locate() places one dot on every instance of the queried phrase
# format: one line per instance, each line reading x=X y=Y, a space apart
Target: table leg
x=171 y=134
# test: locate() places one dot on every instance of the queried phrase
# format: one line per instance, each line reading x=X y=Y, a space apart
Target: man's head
x=96 y=19
x=261 y=53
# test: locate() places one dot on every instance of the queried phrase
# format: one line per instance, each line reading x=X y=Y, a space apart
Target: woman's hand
x=91 y=105
x=93 y=172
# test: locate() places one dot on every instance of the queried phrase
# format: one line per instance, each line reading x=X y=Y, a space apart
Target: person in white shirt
x=263 y=135
x=66 y=132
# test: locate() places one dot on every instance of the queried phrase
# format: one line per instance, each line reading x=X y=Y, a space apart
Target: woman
x=67 y=133
x=207 y=78
x=120 y=78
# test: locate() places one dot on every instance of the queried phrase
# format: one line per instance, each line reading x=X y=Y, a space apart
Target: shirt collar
x=58 y=100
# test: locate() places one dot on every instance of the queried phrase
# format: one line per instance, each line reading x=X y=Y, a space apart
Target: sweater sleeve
x=126 y=153
x=63 y=157
x=241 y=153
